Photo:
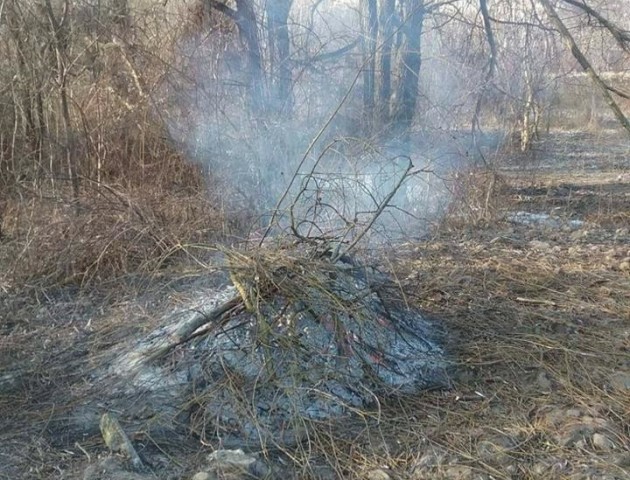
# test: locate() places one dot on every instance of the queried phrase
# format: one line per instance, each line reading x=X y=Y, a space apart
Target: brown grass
x=113 y=234
x=539 y=321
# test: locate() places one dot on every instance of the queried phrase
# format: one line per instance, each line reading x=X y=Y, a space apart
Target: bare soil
x=539 y=317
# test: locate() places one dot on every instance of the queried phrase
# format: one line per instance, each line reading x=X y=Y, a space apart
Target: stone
x=622 y=460
x=575 y=436
x=620 y=381
x=231 y=462
x=459 y=472
x=576 y=235
x=554 y=416
x=117 y=441
x=539 y=245
x=260 y=469
x=205 y=476
x=323 y=472
x=540 y=468
x=111 y=468
x=378 y=474
x=602 y=442
x=496 y=449
x=544 y=382
x=432 y=458
x=573 y=412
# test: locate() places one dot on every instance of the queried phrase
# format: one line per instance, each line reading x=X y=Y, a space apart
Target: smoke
x=252 y=160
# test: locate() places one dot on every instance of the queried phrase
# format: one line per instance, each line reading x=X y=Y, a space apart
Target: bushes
x=50 y=242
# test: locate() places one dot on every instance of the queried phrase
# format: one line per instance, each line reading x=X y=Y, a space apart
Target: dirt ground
x=538 y=310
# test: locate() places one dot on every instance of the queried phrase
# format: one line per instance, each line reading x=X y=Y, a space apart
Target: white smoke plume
x=344 y=178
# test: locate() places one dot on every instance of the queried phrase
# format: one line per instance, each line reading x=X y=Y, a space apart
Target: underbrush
x=112 y=232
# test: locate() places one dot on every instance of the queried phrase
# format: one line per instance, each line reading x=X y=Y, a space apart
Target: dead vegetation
x=538 y=316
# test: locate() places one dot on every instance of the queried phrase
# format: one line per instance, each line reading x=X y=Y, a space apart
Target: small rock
x=459 y=472
x=539 y=245
x=544 y=382
x=496 y=449
x=111 y=469
x=622 y=460
x=432 y=458
x=620 y=381
x=511 y=469
x=576 y=436
x=602 y=442
x=378 y=474
x=323 y=472
x=205 y=476
x=117 y=441
x=555 y=416
x=259 y=469
x=233 y=463
x=624 y=265
x=576 y=235
x=539 y=469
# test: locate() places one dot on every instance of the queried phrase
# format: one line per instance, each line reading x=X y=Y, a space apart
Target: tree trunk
x=386 y=20
x=279 y=55
x=370 y=33
x=411 y=59
x=246 y=21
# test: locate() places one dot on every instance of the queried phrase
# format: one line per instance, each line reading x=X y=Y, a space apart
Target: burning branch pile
x=298 y=337
x=304 y=333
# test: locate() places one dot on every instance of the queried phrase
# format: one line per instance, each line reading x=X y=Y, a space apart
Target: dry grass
x=540 y=322
x=114 y=233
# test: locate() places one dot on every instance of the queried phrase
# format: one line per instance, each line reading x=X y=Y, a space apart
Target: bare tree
x=404 y=107
x=279 y=43
x=60 y=34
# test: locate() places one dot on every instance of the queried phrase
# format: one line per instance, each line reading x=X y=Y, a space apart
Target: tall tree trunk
x=246 y=21
x=404 y=108
x=28 y=88
x=370 y=33
x=279 y=54
x=386 y=20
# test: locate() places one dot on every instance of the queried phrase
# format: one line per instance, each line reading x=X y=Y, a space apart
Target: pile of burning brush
x=297 y=337
x=304 y=333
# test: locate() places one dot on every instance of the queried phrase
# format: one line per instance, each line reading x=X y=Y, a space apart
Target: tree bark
x=246 y=22
x=386 y=20
x=370 y=33
x=411 y=60
x=279 y=55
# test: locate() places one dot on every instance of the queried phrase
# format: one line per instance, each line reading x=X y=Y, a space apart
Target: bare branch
x=483 y=4
x=384 y=204
x=621 y=36
x=585 y=64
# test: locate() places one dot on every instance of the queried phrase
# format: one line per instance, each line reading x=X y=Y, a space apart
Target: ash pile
x=297 y=337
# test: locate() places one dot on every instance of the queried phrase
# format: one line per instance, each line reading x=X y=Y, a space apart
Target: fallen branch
x=163 y=341
x=535 y=301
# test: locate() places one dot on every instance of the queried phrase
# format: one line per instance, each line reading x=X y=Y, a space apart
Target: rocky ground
x=537 y=306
